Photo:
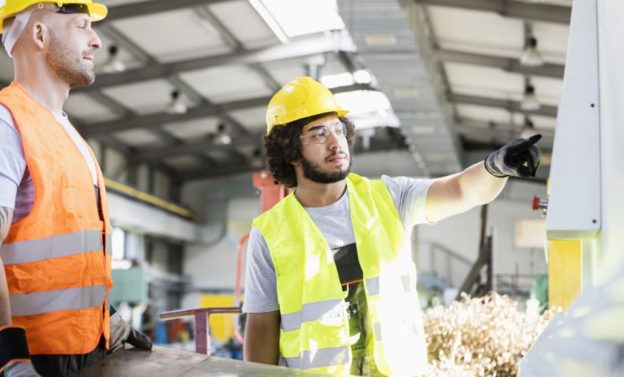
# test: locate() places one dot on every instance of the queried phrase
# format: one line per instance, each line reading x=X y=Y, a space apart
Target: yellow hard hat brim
x=97 y=12
x=342 y=113
x=339 y=112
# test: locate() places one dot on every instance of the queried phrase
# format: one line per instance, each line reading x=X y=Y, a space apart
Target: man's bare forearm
x=262 y=338
x=457 y=193
x=478 y=186
x=6 y=217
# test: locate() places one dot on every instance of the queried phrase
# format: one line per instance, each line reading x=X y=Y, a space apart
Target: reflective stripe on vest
x=315 y=311
x=62 y=299
x=53 y=247
x=320 y=358
x=372 y=285
x=377 y=331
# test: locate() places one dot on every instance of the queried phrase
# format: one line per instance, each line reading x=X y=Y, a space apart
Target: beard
x=314 y=173
x=69 y=69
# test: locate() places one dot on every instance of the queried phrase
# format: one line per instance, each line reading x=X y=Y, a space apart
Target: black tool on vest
x=348 y=265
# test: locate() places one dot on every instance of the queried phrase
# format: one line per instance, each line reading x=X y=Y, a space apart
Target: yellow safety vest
x=314 y=323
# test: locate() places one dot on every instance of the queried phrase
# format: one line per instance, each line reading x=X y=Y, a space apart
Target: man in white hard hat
x=55 y=231
x=331 y=286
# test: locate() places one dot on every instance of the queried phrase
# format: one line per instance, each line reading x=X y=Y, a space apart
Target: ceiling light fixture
x=529 y=101
x=530 y=56
x=113 y=64
x=177 y=105
x=222 y=137
x=362 y=76
x=337 y=80
x=363 y=101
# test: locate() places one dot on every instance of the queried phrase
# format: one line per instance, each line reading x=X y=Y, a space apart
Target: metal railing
x=202 y=326
x=447 y=265
x=514 y=284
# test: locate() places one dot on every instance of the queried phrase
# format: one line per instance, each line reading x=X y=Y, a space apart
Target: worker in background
x=331 y=286
x=55 y=255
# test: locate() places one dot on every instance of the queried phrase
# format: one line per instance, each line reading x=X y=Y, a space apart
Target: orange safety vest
x=57 y=259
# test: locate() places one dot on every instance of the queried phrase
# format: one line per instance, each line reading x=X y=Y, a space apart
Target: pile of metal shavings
x=479 y=337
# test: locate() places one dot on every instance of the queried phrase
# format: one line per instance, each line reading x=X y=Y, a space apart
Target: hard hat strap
x=12 y=33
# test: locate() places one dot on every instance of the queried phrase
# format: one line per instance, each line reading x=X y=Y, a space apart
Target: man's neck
x=313 y=194
x=44 y=87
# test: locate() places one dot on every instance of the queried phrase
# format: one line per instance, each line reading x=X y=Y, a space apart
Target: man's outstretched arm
x=482 y=182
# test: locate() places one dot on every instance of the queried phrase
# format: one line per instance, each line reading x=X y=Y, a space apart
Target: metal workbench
x=164 y=362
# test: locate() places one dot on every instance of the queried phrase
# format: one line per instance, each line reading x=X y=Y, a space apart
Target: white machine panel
x=574 y=198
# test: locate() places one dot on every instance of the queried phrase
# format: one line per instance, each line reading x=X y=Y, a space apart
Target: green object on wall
x=130 y=285
x=540 y=290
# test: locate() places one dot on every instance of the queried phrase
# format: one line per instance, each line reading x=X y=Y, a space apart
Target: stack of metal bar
x=485 y=336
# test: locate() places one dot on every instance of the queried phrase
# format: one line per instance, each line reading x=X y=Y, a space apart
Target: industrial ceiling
x=182 y=85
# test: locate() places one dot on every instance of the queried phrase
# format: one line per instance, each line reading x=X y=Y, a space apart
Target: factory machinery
x=585 y=215
x=585 y=227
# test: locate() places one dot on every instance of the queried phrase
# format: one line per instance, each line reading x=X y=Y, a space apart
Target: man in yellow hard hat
x=55 y=232
x=331 y=286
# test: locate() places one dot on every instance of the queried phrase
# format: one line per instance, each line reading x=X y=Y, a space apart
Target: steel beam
x=235 y=45
x=202 y=146
x=147 y=59
x=131 y=10
x=123 y=42
x=223 y=171
x=377 y=144
x=478 y=125
x=110 y=103
x=511 y=106
x=471 y=145
x=500 y=131
x=506 y=64
x=100 y=129
x=295 y=49
x=510 y=8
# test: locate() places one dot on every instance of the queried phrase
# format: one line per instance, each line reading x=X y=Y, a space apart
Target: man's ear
x=39 y=34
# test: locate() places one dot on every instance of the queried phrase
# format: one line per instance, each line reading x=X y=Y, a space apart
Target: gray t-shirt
x=16 y=185
x=334 y=222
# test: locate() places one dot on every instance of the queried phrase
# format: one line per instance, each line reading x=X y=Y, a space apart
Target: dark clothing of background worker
x=331 y=285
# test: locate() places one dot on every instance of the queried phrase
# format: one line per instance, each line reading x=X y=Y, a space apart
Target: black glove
x=121 y=333
x=14 y=355
x=518 y=158
x=139 y=340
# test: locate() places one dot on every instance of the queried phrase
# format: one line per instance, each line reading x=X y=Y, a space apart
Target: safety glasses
x=320 y=133
x=72 y=8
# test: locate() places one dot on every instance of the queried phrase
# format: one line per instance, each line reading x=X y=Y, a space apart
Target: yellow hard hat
x=10 y=8
x=301 y=98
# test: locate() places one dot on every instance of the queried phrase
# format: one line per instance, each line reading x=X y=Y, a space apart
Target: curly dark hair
x=283 y=146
